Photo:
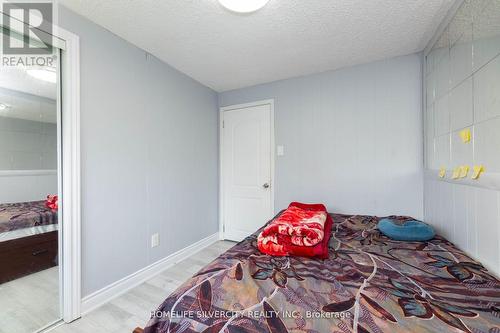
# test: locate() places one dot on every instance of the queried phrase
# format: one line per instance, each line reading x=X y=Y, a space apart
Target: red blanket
x=301 y=230
x=52 y=202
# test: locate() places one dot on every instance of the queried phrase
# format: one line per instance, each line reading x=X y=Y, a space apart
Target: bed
x=369 y=284
x=28 y=239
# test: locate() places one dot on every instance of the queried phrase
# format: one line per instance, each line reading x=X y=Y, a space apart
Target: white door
x=246 y=169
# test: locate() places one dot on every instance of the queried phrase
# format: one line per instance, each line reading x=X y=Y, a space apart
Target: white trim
x=121 y=286
x=17 y=173
x=223 y=109
x=248 y=105
x=221 y=183
x=70 y=257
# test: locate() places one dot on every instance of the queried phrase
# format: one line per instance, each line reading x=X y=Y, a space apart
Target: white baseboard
x=121 y=286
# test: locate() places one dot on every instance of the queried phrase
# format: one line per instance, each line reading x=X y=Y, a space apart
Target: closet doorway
x=39 y=172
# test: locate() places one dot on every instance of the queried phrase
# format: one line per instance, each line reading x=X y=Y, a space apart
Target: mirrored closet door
x=29 y=188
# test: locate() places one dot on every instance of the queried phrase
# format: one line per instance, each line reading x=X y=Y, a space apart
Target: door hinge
x=223 y=125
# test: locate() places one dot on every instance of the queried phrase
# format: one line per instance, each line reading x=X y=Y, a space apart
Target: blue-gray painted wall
x=149 y=156
x=352 y=137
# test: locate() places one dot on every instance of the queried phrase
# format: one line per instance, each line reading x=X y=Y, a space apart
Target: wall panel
x=462 y=84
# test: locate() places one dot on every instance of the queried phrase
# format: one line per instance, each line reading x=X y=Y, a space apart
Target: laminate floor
x=133 y=308
x=30 y=303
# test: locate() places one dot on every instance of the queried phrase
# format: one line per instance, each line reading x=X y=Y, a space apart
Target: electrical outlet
x=155 y=240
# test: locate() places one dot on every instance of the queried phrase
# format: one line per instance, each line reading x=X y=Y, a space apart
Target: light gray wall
x=149 y=156
x=27 y=145
x=352 y=137
x=462 y=92
x=27 y=186
x=30 y=146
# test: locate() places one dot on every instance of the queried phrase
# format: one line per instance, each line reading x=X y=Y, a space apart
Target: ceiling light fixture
x=44 y=74
x=243 y=6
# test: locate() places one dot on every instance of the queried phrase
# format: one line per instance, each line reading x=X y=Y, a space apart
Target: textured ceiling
x=287 y=38
x=26 y=97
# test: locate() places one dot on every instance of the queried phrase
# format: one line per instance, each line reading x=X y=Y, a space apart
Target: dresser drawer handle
x=37 y=253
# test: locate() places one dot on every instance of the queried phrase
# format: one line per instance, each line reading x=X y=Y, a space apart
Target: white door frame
x=69 y=175
x=269 y=102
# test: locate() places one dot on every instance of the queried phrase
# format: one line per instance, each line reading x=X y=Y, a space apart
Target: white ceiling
x=26 y=97
x=287 y=38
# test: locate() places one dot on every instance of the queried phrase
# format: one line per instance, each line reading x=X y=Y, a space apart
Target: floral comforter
x=369 y=284
x=14 y=216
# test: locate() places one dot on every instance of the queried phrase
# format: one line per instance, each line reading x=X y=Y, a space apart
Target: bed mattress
x=369 y=284
x=15 y=216
x=26 y=232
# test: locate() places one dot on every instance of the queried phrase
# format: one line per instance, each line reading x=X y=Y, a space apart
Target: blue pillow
x=412 y=230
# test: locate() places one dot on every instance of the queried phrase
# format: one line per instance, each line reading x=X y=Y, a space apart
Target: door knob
x=266 y=185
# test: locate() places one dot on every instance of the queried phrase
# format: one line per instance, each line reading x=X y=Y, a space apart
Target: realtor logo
x=34 y=21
